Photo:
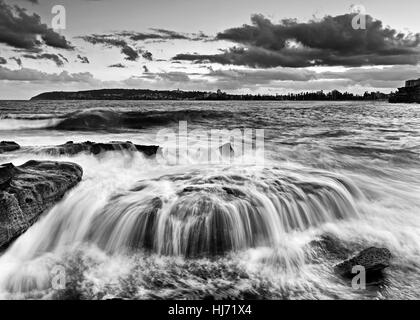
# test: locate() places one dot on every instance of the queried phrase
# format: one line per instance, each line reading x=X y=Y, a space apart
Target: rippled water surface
x=141 y=229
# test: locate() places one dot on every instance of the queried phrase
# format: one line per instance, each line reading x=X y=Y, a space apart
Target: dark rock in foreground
x=7 y=146
x=373 y=259
x=30 y=189
x=71 y=148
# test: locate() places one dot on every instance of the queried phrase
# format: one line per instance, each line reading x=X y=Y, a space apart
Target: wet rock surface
x=331 y=247
x=29 y=190
x=71 y=148
x=373 y=259
x=227 y=150
x=343 y=256
x=7 y=146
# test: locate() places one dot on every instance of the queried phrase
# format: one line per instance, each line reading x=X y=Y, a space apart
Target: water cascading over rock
x=197 y=214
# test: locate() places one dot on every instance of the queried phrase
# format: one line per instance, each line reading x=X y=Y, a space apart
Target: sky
x=238 y=46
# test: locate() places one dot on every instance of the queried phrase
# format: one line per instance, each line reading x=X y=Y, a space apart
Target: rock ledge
x=29 y=190
x=71 y=148
x=7 y=146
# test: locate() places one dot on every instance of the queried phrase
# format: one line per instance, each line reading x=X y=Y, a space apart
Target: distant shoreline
x=178 y=95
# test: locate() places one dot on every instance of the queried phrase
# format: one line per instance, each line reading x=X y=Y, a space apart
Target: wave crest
x=99 y=119
x=109 y=119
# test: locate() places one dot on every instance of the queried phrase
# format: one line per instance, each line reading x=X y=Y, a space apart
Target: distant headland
x=144 y=94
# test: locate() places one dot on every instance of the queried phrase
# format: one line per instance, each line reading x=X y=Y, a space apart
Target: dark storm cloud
x=253 y=57
x=168 y=34
x=117 y=65
x=146 y=55
x=83 y=59
x=3 y=60
x=63 y=57
x=121 y=40
x=57 y=59
x=104 y=39
x=21 y=30
x=108 y=40
x=163 y=35
x=139 y=36
x=130 y=53
x=17 y=60
x=331 y=41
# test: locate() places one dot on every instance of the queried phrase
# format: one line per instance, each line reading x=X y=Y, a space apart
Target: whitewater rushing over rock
x=204 y=213
x=138 y=228
x=201 y=213
x=196 y=214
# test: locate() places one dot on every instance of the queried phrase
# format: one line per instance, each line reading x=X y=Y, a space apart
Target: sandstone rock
x=7 y=146
x=71 y=148
x=372 y=259
x=29 y=190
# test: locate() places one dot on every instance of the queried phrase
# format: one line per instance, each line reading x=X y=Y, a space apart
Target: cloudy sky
x=239 y=46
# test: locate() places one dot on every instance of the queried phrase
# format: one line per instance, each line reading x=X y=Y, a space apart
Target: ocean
x=139 y=228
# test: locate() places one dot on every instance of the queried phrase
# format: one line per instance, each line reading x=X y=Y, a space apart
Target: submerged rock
x=30 y=189
x=331 y=247
x=374 y=260
x=227 y=150
x=71 y=148
x=7 y=146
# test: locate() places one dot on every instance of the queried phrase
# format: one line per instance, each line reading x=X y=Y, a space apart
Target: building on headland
x=412 y=83
x=408 y=94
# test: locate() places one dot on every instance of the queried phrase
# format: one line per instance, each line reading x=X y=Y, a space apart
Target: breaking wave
x=97 y=120
x=108 y=119
x=27 y=124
